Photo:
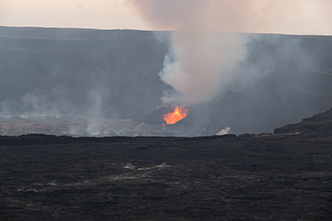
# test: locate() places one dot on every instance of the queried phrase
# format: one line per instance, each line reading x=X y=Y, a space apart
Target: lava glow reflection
x=177 y=115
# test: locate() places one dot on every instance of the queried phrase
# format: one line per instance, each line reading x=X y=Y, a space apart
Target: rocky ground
x=247 y=177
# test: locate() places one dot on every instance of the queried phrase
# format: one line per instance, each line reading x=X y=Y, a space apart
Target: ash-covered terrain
x=67 y=74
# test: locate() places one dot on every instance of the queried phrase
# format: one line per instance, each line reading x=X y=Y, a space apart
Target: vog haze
x=201 y=63
x=288 y=17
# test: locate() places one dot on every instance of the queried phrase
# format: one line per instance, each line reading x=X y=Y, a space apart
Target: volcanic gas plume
x=201 y=62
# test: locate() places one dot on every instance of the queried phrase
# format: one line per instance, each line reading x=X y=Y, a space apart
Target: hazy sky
x=303 y=16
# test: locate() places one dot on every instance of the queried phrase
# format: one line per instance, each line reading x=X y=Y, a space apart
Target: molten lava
x=177 y=115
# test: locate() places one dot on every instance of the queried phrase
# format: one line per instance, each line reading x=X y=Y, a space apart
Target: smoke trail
x=201 y=62
x=196 y=68
x=222 y=15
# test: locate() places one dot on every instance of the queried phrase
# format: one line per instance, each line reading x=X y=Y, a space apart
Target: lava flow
x=177 y=115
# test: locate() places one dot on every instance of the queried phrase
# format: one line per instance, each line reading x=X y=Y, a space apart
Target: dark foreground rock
x=267 y=177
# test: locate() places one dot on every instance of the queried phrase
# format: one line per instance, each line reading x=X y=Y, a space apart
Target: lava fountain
x=175 y=116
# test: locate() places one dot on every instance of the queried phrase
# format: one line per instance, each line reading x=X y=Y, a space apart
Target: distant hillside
x=114 y=74
x=319 y=123
x=80 y=72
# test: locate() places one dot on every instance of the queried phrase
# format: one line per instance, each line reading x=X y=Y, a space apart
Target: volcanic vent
x=166 y=115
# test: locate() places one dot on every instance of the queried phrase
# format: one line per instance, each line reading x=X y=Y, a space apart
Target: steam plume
x=200 y=63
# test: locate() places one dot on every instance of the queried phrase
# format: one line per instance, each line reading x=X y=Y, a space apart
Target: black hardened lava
x=266 y=177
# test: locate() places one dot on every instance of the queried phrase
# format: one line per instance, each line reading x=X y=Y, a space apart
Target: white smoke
x=201 y=62
x=194 y=67
x=224 y=131
x=198 y=71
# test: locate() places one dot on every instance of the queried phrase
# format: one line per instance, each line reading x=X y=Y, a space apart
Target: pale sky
x=309 y=17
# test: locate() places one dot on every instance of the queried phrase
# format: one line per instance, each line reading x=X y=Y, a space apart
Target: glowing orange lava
x=177 y=115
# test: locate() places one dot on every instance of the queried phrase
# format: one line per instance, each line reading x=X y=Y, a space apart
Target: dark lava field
x=280 y=176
